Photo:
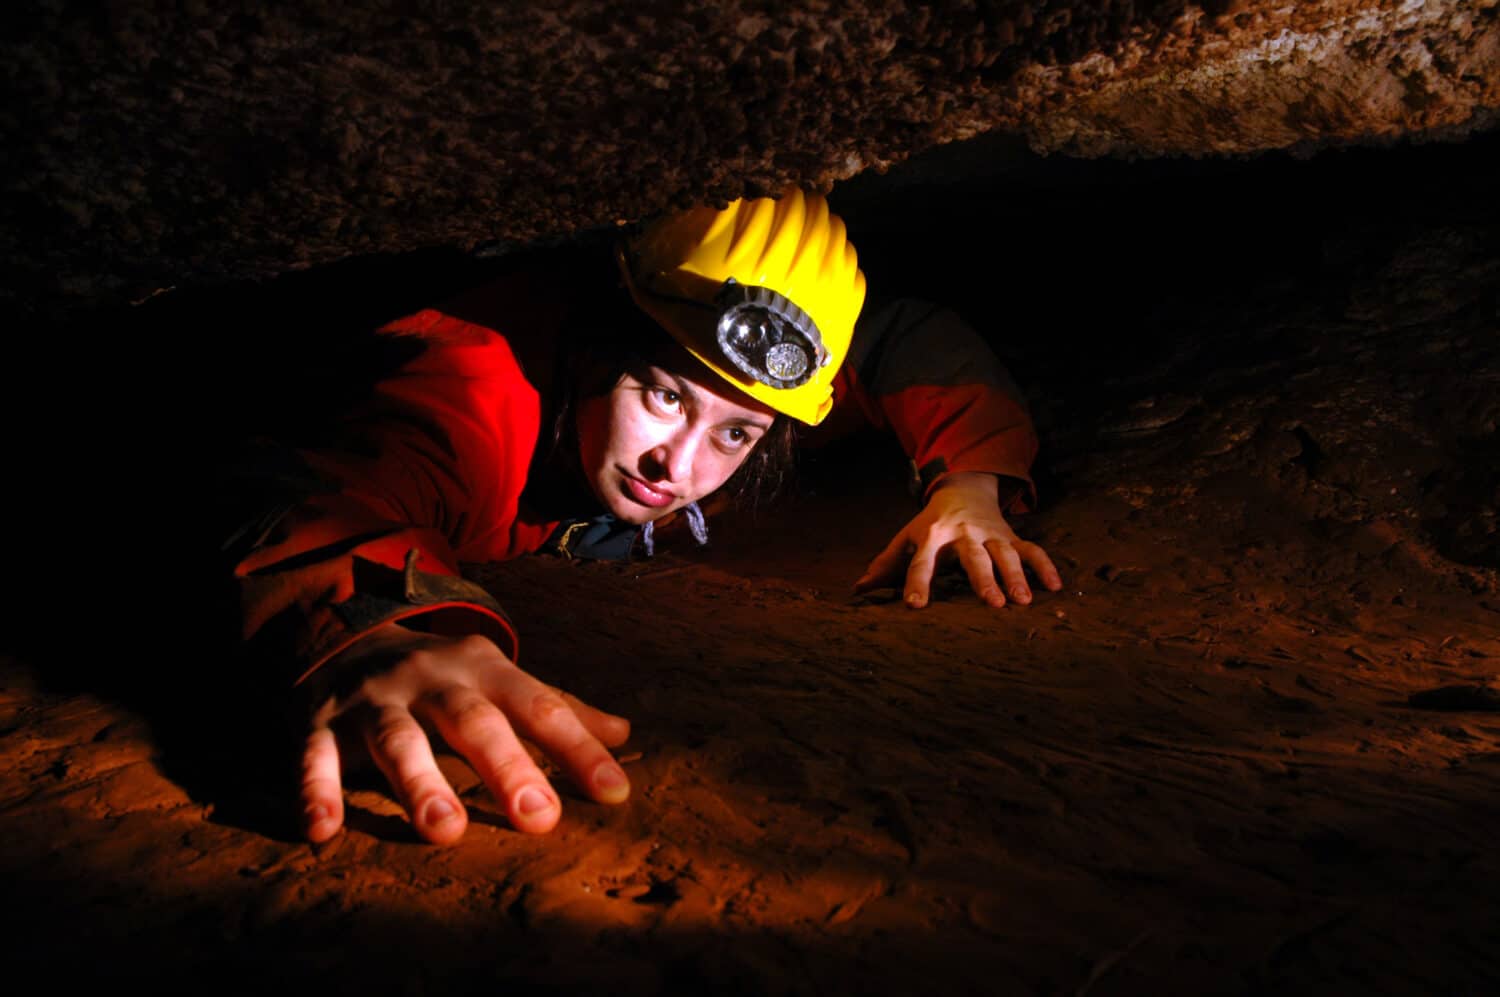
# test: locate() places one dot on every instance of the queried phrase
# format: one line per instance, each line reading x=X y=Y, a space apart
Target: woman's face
x=662 y=439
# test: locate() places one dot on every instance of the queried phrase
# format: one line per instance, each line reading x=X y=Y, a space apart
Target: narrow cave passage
x=1267 y=393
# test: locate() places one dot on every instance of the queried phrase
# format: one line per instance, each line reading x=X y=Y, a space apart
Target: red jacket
x=431 y=471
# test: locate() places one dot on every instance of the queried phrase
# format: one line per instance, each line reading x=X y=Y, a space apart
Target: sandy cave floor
x=1165 y=779
x=1196 y=770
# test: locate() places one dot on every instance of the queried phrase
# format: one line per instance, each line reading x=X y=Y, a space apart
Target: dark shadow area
x=1093 y=278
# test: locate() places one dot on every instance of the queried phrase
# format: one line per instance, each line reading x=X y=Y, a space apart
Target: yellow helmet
x=765 y=292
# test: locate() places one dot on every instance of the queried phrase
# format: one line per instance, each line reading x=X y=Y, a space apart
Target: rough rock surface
x=151 y=145
x=1299 y=76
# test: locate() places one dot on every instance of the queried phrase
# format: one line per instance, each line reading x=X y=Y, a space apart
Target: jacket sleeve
x=921 y=372
x=368 y=537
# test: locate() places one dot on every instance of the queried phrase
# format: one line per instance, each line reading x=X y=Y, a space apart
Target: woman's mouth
x=646 y=494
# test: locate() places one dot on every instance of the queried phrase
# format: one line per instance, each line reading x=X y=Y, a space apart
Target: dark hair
x=608 y=337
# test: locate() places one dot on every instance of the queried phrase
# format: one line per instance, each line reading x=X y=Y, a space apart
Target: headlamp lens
x=786 y=362
x=766 y=336
x=750 y=330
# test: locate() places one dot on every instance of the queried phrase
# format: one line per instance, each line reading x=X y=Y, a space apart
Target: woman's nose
x=675 y=456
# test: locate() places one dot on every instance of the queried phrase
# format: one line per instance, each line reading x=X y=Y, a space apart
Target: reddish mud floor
x=1196 y=770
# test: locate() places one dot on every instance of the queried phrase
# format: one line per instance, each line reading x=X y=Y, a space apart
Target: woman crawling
x=573 y=419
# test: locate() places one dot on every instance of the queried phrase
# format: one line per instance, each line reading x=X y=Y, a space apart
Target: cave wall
x=152 y=145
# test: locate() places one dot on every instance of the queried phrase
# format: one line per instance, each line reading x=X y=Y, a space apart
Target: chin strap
x=697 y=525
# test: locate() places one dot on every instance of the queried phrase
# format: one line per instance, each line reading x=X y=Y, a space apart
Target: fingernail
x=914 y=601
x=315 y=815
x=533 y=801
x=1020 y=595
x=609 y=776
x=439 y=811
x=610 y=784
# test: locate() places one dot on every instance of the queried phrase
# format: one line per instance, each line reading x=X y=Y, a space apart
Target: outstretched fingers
x=400 y=748
x=975 y=557
x=1042 y=566
x=543 y=716
x=477 y=729
x=322 y=788
x=919 y=575
x=1008 y=560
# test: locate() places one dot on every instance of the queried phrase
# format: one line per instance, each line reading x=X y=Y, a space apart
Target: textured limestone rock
x=1299 y=77
x=155 y=144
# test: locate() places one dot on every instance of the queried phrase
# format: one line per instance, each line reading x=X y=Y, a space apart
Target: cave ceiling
x=151 y=145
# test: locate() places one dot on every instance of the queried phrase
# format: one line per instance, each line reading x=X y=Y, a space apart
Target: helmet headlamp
x=764 y=335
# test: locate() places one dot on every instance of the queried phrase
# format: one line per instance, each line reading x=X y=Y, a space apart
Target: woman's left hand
x=962 y=517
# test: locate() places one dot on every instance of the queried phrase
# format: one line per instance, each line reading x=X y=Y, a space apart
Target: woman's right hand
x=467 y=690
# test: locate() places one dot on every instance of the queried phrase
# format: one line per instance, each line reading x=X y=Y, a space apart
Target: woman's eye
x=736 y=438
x=666 y=399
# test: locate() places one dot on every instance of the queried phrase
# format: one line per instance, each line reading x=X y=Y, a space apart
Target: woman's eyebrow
x=764 y=427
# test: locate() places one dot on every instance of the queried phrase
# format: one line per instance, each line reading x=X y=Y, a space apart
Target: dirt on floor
x=1251 y=747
